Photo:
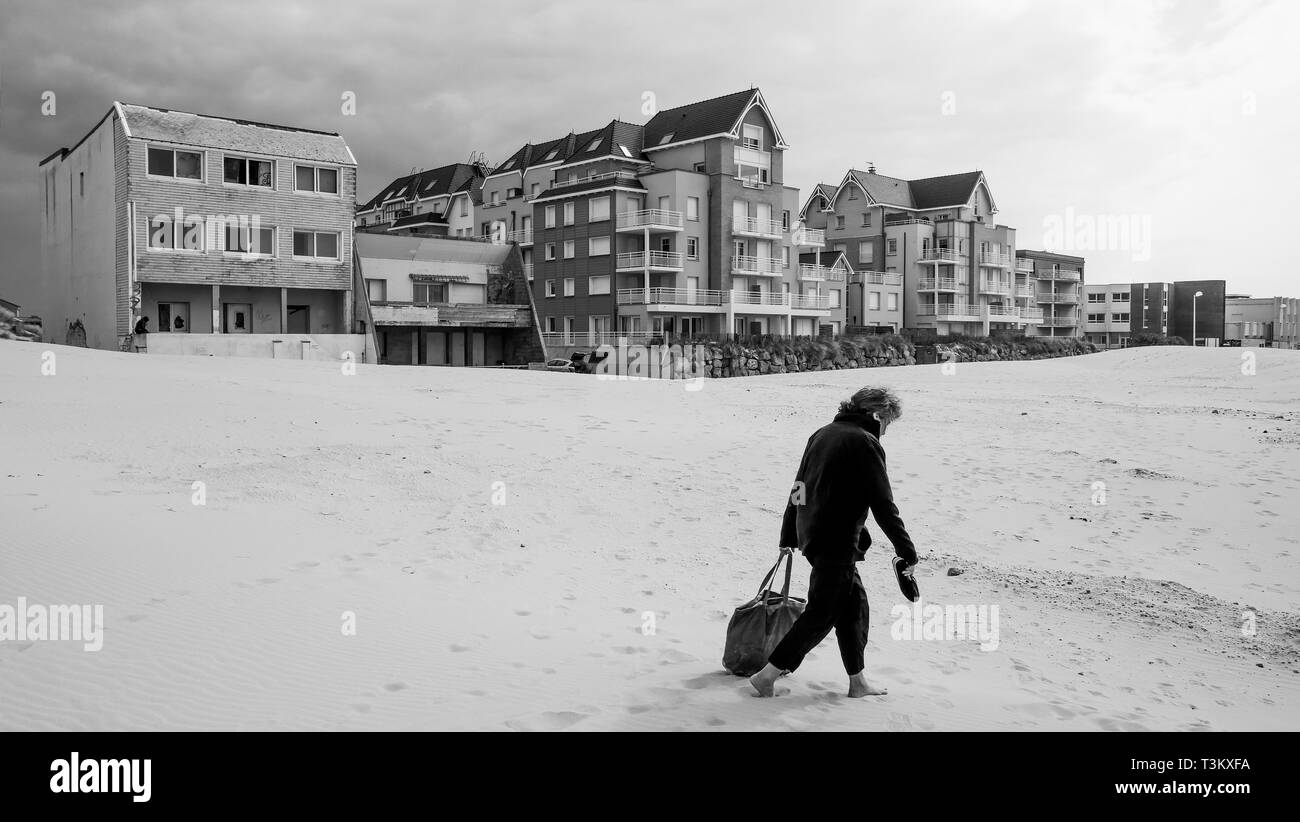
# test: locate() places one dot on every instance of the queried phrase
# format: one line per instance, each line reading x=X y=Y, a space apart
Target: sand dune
x=374 y=494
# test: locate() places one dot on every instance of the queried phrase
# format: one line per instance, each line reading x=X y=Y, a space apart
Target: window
x=550 y=292
x=183 y=165
x=426 y=293
x=83 y=184
x=550 y=321
x=568 y=249
x=494 y=198
x=785 y=220
x=785 y=256
x=597 y=246
x=377 y=290
x=893 y=302
x=866 y=251
x=692 y=208
x=1096 y=298
x=699 y=168
x=839 y=221
x=243 y=239
x=1119 y=317
x=1097 y=318
x=166 y=233
x=464 y=206
x=835 y=298
x=1119 y=297
x=317 y=179
x=550 y=251
x=550 y=216
x=866 y=219
x=598 y=285
x=598 y=209
x=853 y=193
x=873 y=301
x=246 y=171
x=692 y=248
x=893 y=247
x=568 y=214
x=568 y=286
x=752 y=137
x=318 y=244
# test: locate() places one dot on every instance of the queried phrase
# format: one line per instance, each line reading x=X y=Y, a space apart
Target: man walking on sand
x=841 y=477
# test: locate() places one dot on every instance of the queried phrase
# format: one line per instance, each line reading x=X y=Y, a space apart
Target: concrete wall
x=329 y=347
x=79 y=278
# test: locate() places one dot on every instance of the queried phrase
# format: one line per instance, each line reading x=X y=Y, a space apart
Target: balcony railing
x=523 y=236
x=808 y=236
x=753 y=225
x=671 y=260
x=1058 y=322
x=1063 y=274
x=995 y=259
x=891 y=221
x=1024 y=291
x=813 y=273
x=668 y=296
x=816 y=301
x=995 y=287
x=939 y=284
x=1065 y=299
x=528 y=272
x=1031 y=313
x=757 y=298
x=942 y=255
x=612 y=176
x=1024 y=266
x=881 y=278
x=958 y=311
x=649 y=218
x=756 y=265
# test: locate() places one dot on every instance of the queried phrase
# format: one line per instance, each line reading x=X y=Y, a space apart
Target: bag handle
x=765 y=587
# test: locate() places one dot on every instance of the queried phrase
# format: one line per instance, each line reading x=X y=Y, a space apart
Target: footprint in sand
x=460 y=649
x=394 y=687
x=549 y=721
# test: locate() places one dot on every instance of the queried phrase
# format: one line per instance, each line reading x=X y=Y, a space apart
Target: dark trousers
x=836 y=599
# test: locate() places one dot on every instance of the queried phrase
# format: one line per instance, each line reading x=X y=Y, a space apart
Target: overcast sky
x=1179 y=119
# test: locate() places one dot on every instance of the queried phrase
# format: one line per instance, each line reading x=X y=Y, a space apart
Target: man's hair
x=879 y=400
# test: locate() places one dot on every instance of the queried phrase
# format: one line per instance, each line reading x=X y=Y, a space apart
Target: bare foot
x=765 y=680
x=859 y=687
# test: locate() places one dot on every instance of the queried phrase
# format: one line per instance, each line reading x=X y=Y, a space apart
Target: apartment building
x=1055 y=284
x=446 y=301
x=932 y=242
x=1262 y=322
x=230 y=236
x=677 y=228
x=437 y=202
x=1193 y=310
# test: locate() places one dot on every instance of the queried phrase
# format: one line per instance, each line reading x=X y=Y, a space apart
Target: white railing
x=1024 y=291
x=1068 y=299
x=938 y=283
x=942 y=255
x=650 y=217
x=992 y=258
x=625 y=176
x=883 y=278
x=757 y=298
x=756 y=265
x=1003 y=311
x=1058 y=322
x=1031 y=313
x=813 y=272
x=994 y=286
x=655 y=259
x=1024 y=265
x=819 y=301
x=753 y=225
x=523 y=236
x=808 y=236
x=949 y=310
x=528 y=272
x=1065 y=274
x=668 y=296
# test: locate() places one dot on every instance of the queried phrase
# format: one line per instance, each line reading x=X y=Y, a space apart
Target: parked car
x=559 y=364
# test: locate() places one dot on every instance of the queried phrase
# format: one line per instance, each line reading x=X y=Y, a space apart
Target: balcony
x=939 y=284
x=815 y=237
x=752 y=164
x=1063 y=274
x=1031 y=313
x=755 y=266
x=815 y=302
x=753 y=227
x=813 y=273
x=523 y=236
x=1024 y=266
x=1058 y=322
x=988 y=286
x=893 y=221
x=761 y=298
x=685 y=297
x=951 y=312
x=942 y=255
x=881 y=278
x=653 y=260
x=450 y=314
x=1025 y=291
x=1063 y=299
x=995 y=260
x=528 y=272
x=652 y=219
x=611 y=176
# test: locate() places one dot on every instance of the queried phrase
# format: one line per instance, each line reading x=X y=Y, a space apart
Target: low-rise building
x=1262 y=322
x=1191 y=310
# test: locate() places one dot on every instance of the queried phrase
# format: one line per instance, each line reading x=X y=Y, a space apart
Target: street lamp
x=1195 y=297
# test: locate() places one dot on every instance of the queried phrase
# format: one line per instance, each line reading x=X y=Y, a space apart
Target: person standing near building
x=140 y=340
x=841 y=478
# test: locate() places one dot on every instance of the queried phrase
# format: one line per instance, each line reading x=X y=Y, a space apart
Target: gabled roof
x=422 y=185
x=617 y=139
x=535 y=154
x=820 y=190
x=205 y=131
x=707 y=118
x=414 y=220
x=830 y=259
x=949 y=190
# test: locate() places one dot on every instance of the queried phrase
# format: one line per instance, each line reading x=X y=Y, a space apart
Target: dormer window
x=667 y=138
x=550 y=155
x=594 y=144
x=752 y=137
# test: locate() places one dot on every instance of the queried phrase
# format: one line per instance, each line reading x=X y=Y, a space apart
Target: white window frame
x=695 y=201
x=569 y=213
x=316 y=169
x=203 y=164
x=550 y=291
x=550 y=252
x=892 y=302
x=177 y=237
x=570 y=249
x=751 y=142
x=248 y=158
x=692 y=248
x=569 y=286
x=870 y=248
x=591 y=284
x=275 y=239
x=609 y=207
x=293 y=232
x=550 y=216
x=591 y=248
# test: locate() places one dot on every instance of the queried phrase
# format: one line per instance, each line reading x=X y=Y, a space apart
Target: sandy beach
x=538 y=551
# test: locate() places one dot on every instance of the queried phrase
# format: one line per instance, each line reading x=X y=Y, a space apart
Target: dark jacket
x=843 y=477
